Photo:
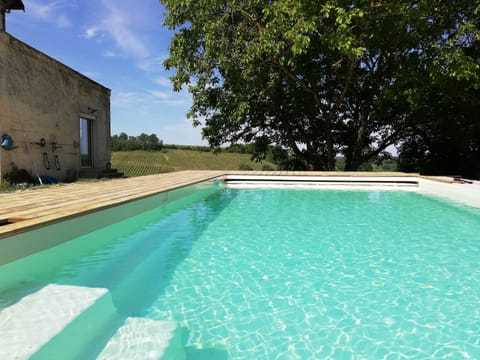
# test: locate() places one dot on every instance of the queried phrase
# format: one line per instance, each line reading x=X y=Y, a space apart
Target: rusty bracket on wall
x=41 y=143
x=54 y=145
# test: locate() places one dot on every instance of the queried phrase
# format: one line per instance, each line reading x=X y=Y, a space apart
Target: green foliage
x=244 y=167
x=317 y=78
x=5 y=186
x=240 y=148
x=390 y=165
x=124 y=142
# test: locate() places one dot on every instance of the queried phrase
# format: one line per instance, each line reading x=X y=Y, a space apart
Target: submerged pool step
x=86 y=335
x=143 y=339
x=36 y=319
x=74 y=322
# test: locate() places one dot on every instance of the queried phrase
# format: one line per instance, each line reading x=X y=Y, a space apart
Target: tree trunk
x=357 y=157
x=329 y=140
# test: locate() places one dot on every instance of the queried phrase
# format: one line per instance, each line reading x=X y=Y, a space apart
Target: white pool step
x=74 y=322
x=29 y=324
x=143 y=339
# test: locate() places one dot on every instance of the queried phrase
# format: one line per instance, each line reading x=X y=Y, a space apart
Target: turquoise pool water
x=282 y=274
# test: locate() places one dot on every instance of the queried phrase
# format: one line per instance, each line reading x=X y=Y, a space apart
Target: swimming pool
x=258 y=273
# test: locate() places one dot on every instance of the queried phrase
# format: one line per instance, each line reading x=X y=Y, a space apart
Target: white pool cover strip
x=30 y=323
x=338 y=180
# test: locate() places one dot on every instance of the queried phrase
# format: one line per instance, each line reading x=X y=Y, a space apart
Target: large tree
x=315 y=77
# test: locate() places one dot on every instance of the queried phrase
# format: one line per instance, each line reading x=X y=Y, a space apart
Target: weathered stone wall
x=41 y=98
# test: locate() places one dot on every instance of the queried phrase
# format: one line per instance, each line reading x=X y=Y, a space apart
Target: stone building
x=54 y=122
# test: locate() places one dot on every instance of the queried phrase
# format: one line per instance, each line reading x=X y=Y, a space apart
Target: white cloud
x=152 y=64
x=91 y=31
x=112 y=54
x=109 y=54
x=50 y=11
x=171 y=98
x=116 y=21
x=162 y=95
x=150 y=98
x=128 y=98
x=163 y=81
x=179 y=102
x=42 y=10
x=183 y=132
x=63 y=21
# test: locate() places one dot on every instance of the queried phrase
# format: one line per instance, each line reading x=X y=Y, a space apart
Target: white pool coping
x=463 y=193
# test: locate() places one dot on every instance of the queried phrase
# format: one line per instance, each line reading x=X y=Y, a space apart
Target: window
x=86 y=142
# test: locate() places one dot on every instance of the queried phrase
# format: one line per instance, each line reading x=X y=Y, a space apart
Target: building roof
x=11 y=5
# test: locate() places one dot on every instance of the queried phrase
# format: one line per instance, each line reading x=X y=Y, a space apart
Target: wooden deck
x=24 y=210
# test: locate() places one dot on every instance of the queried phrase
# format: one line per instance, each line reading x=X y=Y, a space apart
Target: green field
x=138 y=163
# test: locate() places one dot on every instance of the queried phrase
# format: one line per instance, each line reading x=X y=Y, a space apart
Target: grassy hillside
x=138 y=163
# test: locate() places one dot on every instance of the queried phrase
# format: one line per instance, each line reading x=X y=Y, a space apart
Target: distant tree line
x=125 y=142
x=188 y=147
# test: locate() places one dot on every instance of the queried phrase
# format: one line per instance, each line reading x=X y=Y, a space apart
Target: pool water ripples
x=331 y=274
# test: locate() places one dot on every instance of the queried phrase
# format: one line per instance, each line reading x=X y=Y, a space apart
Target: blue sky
x=120 y=44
